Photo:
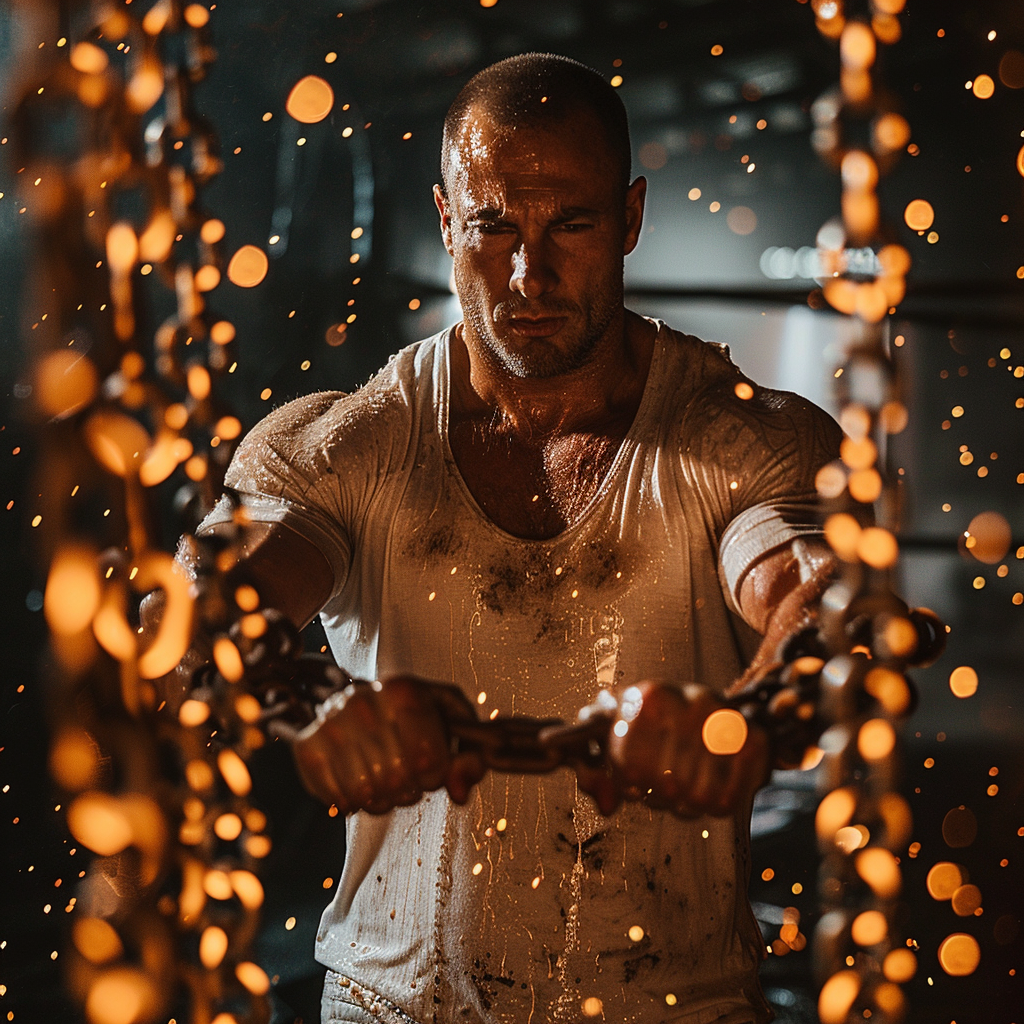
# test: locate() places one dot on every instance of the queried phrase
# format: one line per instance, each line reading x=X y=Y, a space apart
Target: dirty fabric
x=526 y=905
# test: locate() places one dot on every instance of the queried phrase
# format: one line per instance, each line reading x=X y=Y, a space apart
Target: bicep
x=288 y=571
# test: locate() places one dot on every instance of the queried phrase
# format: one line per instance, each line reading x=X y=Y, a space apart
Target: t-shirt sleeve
x=282 y=473
x=760 y=458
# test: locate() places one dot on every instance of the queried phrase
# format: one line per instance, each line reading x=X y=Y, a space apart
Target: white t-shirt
x=526 y=903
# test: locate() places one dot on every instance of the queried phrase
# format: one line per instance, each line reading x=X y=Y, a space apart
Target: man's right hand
x=380 y=745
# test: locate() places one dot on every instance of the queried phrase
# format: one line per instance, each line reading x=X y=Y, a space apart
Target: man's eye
x=491 y=228
x=575 y=225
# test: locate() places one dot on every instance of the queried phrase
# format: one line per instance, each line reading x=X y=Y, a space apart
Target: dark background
x=694 y=116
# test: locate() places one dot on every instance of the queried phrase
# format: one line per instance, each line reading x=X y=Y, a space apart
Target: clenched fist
x=658 y=752
x=379 y=745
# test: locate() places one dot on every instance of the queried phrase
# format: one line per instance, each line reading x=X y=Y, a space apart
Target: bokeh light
x=869 y=928
x=837 y=996
x=959 y=827
x=944 y=878
x=988 y=537
x=983 y=87
x=310 y=100
x=899 y=965
x=741 y=220
x=248 y=267
x=963 y=681
x=919 y=215
x=959 y=954
x=724 y=731
x=65 y=382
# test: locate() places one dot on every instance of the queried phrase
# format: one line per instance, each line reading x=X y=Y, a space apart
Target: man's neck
x=593 y=398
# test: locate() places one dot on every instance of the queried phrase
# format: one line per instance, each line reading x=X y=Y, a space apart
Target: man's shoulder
x=720 y=402
x=308 y=428
x=701 y=362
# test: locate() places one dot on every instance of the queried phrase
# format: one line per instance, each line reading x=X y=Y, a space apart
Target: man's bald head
x=538 y=91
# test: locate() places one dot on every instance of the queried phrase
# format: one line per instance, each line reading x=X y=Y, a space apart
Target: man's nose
x=532 y=273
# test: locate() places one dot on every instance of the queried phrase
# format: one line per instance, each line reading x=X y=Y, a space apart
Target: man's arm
x=287 y=571
x=779 y=596
x=656 y=750
x=375 y=746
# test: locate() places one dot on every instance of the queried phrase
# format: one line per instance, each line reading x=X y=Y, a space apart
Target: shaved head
x=538 y=91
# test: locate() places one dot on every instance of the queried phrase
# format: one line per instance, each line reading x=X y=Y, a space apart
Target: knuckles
x=375 y=747
x=656 y=752
x=383 y=745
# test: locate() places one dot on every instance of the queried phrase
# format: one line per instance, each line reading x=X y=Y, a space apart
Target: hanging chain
x=166 y=917
x=863 y=823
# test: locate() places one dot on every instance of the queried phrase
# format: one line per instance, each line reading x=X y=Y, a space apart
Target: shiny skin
x=537 y=230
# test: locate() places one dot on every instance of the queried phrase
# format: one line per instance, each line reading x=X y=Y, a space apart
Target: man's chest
x=624 y=593
x=524 y=626
x=533 y=489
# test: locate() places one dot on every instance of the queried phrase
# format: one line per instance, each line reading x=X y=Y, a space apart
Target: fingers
x=314 y=765
x=382 y=745
x=330 y=759
x=416 y=736
x=657 y=754
x=464 y=772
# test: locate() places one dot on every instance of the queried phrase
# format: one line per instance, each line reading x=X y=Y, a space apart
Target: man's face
x=537 y=225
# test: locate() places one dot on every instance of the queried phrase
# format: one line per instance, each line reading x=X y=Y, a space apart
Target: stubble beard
x=544 y=358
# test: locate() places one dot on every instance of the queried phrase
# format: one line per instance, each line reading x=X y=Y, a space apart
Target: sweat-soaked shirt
x=526 y=903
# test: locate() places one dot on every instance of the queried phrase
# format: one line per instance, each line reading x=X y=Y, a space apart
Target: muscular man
x=552 y=498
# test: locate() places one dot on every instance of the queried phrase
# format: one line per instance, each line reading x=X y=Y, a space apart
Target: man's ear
x=444 y=212
x=636 y=195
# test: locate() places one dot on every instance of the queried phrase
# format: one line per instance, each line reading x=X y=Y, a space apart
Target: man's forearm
x=781 y=596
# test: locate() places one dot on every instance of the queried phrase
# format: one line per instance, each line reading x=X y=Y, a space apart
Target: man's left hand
x=656 y=753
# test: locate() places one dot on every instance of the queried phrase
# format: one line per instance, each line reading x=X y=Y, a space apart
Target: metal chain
x=166 y=917
x=870 y=636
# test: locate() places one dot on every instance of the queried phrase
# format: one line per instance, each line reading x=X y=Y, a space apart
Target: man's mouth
x=536 y=327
